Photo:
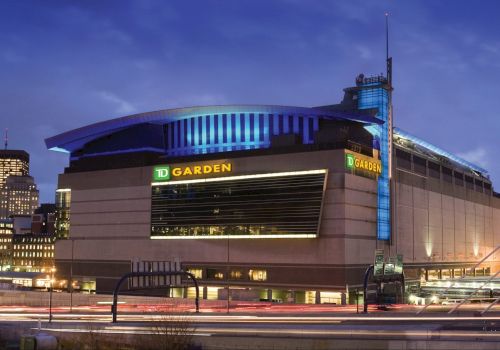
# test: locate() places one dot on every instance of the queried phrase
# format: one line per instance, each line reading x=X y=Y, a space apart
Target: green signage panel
x=349 y=161
x=389 y=267
x=399 y=264
x=161 y=173
x=379 y=263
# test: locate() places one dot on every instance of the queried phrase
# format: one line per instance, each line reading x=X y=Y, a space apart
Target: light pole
x=71 y=279
x=227 y=276
x=52 y=270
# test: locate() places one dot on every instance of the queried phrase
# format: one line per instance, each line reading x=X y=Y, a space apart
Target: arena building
x=279 y=202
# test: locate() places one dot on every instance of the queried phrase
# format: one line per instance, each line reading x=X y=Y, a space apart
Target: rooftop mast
x=388 y=59
x=6 y=138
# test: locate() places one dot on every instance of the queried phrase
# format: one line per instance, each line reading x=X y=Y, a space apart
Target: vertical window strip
x=211 y=128
x=238 y=134
x=231 y=133
x=296 y=124
x=276 y=124
x=305 y=130
x=311 y=129
x=197 y=133
x=264 y=127
x=225 y=123
x=286 y=127
x=205 y=135
x=170 y=137
x=301 y=128
x=251 y=127
x=247 y=130
x=220 y=130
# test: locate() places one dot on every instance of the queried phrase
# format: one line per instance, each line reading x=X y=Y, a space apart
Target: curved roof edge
x=440 y=151
x=73 y=139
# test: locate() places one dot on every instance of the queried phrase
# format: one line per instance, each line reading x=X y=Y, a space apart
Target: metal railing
x=473 y=292
x=455 y=281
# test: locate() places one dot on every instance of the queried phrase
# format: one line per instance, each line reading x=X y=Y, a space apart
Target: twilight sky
x=66 y=64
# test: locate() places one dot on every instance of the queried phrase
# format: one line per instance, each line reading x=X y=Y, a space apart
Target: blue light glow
x=375 y=96
x=251 y=131
x=439 y=151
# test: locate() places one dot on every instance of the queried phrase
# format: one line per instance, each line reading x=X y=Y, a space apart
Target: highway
x=295 y=331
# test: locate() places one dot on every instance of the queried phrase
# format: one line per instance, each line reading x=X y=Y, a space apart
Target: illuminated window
x=215 y=274
x=236 y=275
x=257 y=275
x=197 y=273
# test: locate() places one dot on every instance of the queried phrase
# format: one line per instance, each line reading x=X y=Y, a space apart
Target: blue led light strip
x=243 y=131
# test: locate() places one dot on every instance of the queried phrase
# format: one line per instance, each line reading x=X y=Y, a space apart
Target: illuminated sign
x=166 y=172
x=161 y=173
x=354 y=162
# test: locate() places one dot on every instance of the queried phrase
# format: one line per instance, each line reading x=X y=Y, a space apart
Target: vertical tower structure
x=375 y=93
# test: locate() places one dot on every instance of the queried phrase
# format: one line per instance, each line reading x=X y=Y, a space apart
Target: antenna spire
x=388 y=59
x=6 y=138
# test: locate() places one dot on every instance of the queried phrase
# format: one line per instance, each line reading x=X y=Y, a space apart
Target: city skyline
x=112 y=61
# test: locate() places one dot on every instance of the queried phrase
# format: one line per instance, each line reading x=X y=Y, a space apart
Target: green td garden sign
x=161 y=173
x=359 y=162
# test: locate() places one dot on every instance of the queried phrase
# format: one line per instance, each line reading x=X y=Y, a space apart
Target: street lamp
x=52 y=270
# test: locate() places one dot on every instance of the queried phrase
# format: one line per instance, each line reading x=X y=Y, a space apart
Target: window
x=434 y=170
x=459 y=178
x=478 y=185
x=215 y=274
x=403 y=159
x=419 y=165
x=469 y=182
x=257 y=275
x=197 y=273
x=447 y=174
x=248 y=206
x=235 y=275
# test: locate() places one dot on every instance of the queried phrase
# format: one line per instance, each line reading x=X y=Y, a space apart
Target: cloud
x=478 y=156
x=122 y=106
x=364 y=52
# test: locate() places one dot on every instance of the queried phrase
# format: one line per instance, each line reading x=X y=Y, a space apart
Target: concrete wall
x=110 y=226
x=437 y=224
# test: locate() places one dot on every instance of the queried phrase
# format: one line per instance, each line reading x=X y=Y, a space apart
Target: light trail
x=67 y=317
x=280 y=332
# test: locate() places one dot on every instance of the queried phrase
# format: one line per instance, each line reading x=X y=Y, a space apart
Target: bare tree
x=170 y=331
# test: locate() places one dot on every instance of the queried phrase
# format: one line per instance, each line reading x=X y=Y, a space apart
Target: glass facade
x=234 y=131
x=63 y=208
x=373 y=94
x=265 y=205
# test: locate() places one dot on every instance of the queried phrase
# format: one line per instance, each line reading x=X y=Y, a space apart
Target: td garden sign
x=355 y=162
x=167 y=172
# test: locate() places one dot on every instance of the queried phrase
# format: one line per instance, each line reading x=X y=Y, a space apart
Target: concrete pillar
x=318 y=297
x=343 y=299
x=269 y=295
x=205 y=292
x=184 y=292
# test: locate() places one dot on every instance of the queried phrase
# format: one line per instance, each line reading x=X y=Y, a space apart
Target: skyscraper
x=13 y=162
x=19 y=196
x=18 y=192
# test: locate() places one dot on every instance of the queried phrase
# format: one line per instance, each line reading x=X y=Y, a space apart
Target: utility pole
x=227 y=275
x=52 y=270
